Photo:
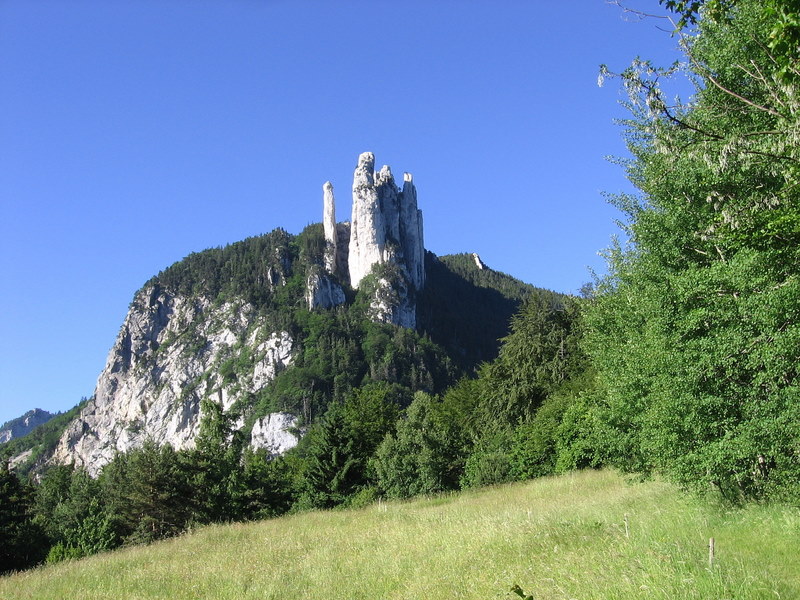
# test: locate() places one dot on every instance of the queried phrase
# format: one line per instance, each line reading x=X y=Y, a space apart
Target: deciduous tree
x=695 y=333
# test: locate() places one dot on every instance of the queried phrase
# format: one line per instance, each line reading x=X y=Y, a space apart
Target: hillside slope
x=557 y=538
x=233 y=324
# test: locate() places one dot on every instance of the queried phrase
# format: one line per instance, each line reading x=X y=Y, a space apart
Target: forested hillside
x=349 y=383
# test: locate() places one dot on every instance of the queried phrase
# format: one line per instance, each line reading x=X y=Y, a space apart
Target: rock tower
x=385 y=229
x=386 y=225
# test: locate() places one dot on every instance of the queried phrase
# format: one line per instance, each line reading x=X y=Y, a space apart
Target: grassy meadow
x=557 y=538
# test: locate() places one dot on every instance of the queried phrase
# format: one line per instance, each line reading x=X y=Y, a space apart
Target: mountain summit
x=24 y=425
x=274 y=328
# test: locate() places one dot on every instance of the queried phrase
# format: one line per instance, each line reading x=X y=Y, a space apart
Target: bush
x=61 y=552
x=487 y=466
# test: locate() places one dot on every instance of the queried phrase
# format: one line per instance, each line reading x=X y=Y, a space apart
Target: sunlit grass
x=558 y=538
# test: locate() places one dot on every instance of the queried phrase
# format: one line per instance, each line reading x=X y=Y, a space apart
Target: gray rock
x=24 y=425
x=274 y=433
x=411 y=233
x=165 y=361
x=322 y=291
x=386 y=227
x=169 y=352
x=478 y=262
x=393 y=302
x=329 y=227
x=367 y=227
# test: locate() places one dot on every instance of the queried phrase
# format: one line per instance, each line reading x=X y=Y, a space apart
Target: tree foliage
x=147 y=494
x=539 y=355
x=340 y=447
x=416 y=458
x=695 y=334
x=213 y=466
x=20 y=537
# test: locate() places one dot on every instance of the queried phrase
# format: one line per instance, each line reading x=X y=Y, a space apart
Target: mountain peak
x=24 y=425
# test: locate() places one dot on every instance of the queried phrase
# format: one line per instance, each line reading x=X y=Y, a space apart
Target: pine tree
x=214 y=466
x=22 y=542
x=147 y=494
x=331 y=472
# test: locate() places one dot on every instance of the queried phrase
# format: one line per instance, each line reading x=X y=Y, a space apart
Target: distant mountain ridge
x=23 y=425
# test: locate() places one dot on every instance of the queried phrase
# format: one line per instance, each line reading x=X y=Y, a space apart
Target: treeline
x=251 y=268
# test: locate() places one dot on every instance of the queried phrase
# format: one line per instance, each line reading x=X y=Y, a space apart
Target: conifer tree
x=147 y=493
x=213 y=467
x=415 y=459
x=22 y=542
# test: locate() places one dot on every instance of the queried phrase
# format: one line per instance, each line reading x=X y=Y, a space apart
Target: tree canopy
x=695 y=333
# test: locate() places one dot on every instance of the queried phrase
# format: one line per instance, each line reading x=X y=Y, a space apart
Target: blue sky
x=135 y=132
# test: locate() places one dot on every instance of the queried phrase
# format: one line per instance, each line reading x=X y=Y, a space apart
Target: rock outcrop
x=386 y=226
x=478 y=262
x=329 y=228
x=171 y=352
x=274 y=433
x=24 y=425
x=322 y=291
x=177 y=348
x=367 y=229
x=411 y=233
x=391 y=299
x=385 y=229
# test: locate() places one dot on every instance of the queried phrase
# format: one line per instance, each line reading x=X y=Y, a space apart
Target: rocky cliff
x=24 y=425
x=386 y=225
x=385 y=229
x=170 y=353
x=176 y=344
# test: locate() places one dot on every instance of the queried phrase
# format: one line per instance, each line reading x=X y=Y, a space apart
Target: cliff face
x=170 y=353
x=386 y=226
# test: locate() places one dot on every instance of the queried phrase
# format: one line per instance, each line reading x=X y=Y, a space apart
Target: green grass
x=558 y=538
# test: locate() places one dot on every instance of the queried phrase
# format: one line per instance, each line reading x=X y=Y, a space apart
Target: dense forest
x=682 y=361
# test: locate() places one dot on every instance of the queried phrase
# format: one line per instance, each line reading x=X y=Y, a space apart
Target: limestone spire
x=412 y=242
x=367 y=228
x=388 y=197
x=329 y=226
x=386 y=227
x=364 y=175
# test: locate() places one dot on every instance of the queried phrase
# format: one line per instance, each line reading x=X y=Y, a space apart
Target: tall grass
x=558 y=538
